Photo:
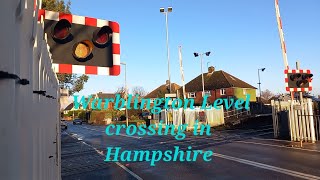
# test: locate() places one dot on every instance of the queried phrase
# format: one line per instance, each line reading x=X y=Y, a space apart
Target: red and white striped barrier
x=283 y=44
x=69 y=68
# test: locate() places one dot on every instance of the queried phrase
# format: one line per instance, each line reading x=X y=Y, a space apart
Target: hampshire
x=114 y=155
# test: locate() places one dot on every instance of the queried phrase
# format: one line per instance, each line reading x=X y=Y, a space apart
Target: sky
x=241 y=35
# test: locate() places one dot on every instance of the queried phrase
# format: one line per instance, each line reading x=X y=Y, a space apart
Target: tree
x=138 y=90
x=267 y=94
x=56 y=5
x=121 y=91
x=72 y=82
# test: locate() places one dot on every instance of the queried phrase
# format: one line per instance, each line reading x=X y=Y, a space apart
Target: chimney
x=167 y=82
x=211 y=69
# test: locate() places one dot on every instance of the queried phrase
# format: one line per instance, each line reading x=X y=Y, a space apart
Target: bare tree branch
x=267 y=94
x=138 y=90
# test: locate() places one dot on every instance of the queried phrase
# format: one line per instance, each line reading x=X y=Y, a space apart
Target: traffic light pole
x=260 y=90
x=301 y=104
x=126 y=91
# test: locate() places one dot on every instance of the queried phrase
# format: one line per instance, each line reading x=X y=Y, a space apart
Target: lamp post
x=126 y=90
x=201 y=57
x=262 y=69
x=162 y=10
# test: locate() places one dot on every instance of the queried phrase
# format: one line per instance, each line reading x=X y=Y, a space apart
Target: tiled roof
x=216 y=80
x=105 y=95
x=69 y=107
x=161 y=90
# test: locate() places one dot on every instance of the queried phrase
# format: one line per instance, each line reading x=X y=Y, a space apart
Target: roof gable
x=105 y=95
x=216 y=80
x=161 y=90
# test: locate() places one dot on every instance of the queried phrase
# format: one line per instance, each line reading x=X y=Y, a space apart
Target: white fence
x=234 y=113
x=30 y=125
x=213 y=117
x=300 y=119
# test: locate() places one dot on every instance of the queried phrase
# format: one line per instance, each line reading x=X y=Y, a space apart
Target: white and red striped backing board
x=296 y=89
x=80 y=69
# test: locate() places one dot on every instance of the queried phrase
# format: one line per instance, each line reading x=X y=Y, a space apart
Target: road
x=241 y=153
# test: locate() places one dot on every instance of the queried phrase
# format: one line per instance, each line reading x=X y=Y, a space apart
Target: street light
x=262 y=69
x=162 y=10
x=201 y=57
x=126 y=93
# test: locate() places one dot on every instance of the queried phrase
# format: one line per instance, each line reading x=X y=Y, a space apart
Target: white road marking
x=128 y=170
x=76 y=136
x=246 y=130
x=119 y=164
x=258 y=130
x=268 y=167
x=274 y=145
x=271 y=139
x=130 y=136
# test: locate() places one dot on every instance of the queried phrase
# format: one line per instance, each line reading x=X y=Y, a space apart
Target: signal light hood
x=61 y=30
x=102 y=37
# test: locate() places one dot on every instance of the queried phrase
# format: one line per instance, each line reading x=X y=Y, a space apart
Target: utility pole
x=182 y=73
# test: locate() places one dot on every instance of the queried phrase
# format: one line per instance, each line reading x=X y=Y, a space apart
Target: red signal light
x=61 y=30
x=295 y=77
x=302 y=83
x=102 y=36
x=307 y=77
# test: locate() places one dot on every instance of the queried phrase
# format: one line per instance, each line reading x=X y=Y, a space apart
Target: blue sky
x=242 y=36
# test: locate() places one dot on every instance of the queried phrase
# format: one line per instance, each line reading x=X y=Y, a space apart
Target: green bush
x=97 y=117
x=82 y=115
x=134 y=117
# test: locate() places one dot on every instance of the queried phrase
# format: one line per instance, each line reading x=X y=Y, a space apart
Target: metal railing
x=236 y=113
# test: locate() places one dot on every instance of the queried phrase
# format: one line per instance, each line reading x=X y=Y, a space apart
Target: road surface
x=242 y=153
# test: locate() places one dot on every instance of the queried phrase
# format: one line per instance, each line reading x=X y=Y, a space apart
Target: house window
x=207 y=93
x=244 y=91
x=192 y=95
x=222 y=91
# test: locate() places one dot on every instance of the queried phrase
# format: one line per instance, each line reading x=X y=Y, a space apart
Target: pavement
x=245 y=153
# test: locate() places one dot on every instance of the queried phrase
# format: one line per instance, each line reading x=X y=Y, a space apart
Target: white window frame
x=207 y=93
x=192 y=95
x=223 y=92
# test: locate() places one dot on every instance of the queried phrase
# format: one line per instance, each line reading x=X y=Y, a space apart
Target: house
x=70 y=107
x=218 y=84
x=103 y=96
x=160 y=91
x=64 y=98
x=111 y=104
